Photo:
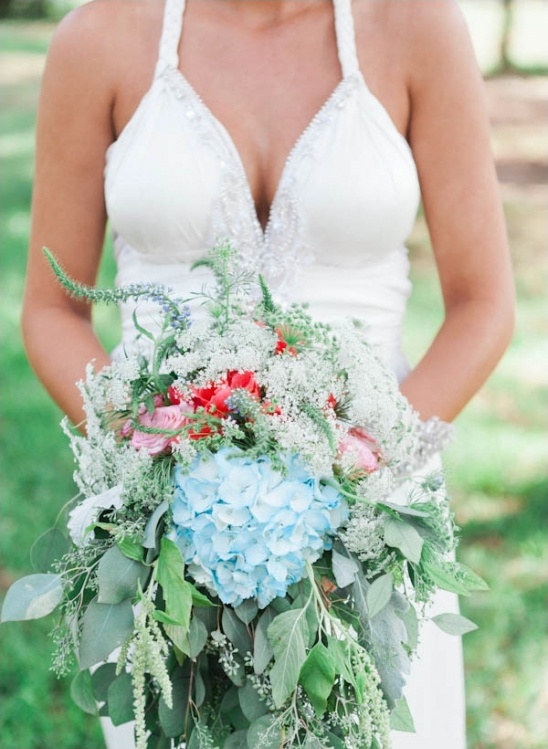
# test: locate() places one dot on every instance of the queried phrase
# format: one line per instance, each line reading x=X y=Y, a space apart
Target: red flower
x=245 y=381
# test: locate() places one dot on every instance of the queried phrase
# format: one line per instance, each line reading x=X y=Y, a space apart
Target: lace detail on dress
x=282 y=250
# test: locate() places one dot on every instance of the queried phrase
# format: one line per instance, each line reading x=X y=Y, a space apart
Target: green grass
x=496 y=471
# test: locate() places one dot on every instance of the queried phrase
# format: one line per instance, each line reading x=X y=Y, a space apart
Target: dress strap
x=346 y=37
x=171 y=34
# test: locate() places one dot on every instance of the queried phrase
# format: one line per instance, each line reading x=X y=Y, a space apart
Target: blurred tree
x=505 y=58
x=25 y=8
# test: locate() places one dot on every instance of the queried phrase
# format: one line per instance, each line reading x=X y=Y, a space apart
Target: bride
x=305 y=131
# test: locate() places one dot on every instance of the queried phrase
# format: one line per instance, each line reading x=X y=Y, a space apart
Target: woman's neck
x=264 y=13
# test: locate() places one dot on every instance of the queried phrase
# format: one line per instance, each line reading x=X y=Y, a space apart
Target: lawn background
x=496 y=469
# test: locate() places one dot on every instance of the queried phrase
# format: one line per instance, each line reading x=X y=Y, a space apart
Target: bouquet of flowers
x=251 y=551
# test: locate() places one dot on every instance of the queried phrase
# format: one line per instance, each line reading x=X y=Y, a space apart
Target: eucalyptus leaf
x=318 y=676
x=172 y=719
x=378 y=594
x=253 y=707
x=119 y=576
x=197 y=637
x=101 y=679
x=231 y=710
x=236 y=631
x=288 y=635
x=81 y=691
x=454 y=624
x=32 y=597
x=105 y=628
x=199 y=689
x=401 y=718
x=236 y=740
x=334 y=741
x=149 y=537
x=404 y=537
x=48 y=548
x=247 y=611
x=120 y=699
x=262 y=649
x=264 y=733
x=313 y=742
x=344 y=569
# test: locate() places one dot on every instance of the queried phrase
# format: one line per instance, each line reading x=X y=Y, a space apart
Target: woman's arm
x=449 y=136
x=68 y=211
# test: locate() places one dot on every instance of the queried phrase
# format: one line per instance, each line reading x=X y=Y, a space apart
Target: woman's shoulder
x=419 y=33
x=100 y=33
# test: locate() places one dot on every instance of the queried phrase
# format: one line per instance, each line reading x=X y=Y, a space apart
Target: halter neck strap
x=346 y=37
x=171 y=35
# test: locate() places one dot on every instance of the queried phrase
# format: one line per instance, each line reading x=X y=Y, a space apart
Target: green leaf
x=120 y=699
x=444 y=575
x=401 y=718
x=454 y=624
x=199 y=689
x=197 y=637
x=130 y=548
x=199 y=599
x=253 y=707
x=403 y=509
x=101 y=679
x=32 y=597
x=236 y=631
x=231 y=710
x=162 y=617
x=404 y=537
x=48 y=548
x=288 y=635
x=247 y=611
x=313 y=742
x=105 y=628
x=177 y=591
x=469 y=578
x=236 y=740
x=335 y=741
x=378 y=594
x=318 y=676
x=262 y=649
x=344 y=569
x=338 y=650
x=119 y=576
x=172 y=719
x=411 y=622
x=149 y=537
x=81 y=691
x=264 y=733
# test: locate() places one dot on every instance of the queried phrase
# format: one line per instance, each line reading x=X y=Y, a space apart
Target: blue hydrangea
x=245 y=530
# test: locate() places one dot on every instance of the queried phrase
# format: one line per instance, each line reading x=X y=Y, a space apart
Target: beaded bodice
x=344 y=206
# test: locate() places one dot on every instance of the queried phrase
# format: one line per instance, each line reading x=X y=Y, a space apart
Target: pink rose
x=362 y=448
x=169 y=418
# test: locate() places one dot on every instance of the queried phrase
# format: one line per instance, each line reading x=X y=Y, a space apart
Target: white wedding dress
x=344 y=207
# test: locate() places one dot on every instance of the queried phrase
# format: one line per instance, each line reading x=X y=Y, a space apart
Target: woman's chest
x=266 y=86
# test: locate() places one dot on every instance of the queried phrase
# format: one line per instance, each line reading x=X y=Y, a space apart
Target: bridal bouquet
x=249 y=557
